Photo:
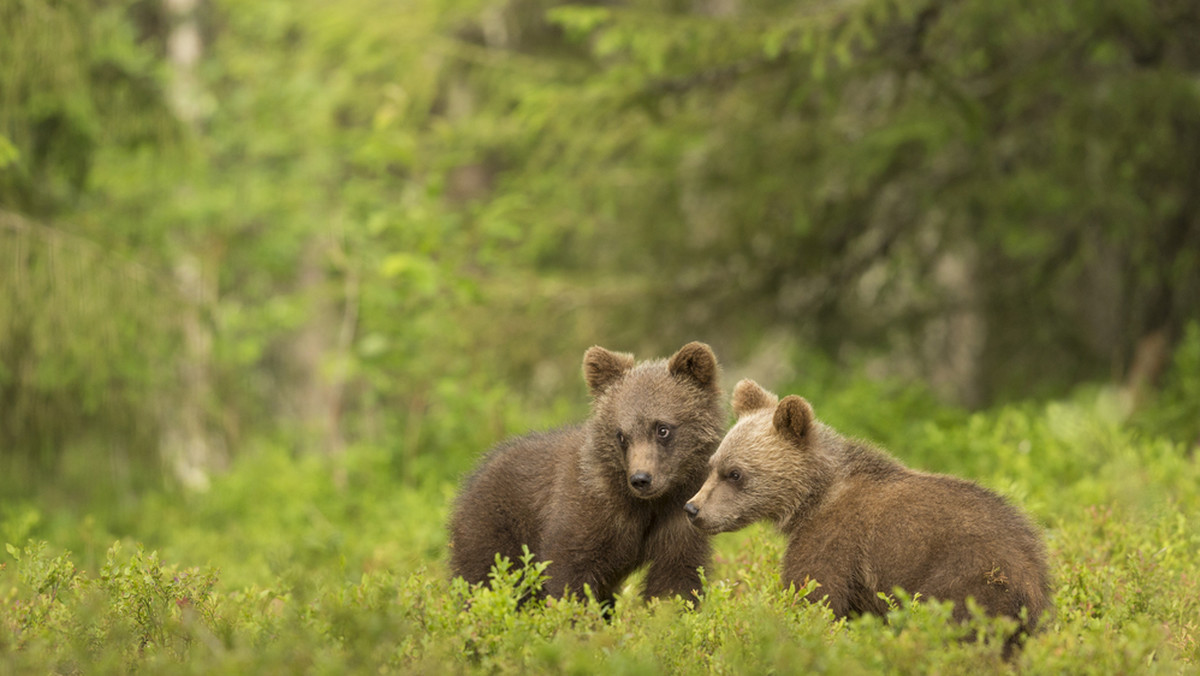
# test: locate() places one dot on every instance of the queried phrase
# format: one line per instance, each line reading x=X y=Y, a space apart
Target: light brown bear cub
x=600 y=499
x=859 y=522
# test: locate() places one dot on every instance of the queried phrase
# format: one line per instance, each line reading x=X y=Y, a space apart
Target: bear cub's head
x=764 y=464
x=653 y=424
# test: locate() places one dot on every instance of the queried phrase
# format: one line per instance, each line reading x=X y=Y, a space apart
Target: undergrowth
x=321 y=566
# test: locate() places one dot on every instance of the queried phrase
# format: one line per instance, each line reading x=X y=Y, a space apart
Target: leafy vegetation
x=360 y=222
x=274 y=273
x=325 y=565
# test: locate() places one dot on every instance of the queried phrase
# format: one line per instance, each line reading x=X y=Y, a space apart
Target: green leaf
x=8 y=152
x=579 y=22
x=774 y=42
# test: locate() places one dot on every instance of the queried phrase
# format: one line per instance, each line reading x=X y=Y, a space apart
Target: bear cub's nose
x=692 y=510
x=640 y=481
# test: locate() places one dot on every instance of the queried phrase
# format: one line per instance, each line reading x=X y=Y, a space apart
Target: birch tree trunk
x=317 y=351
x=190 y=448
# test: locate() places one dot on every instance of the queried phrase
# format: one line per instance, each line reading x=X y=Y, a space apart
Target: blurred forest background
x=400 y=223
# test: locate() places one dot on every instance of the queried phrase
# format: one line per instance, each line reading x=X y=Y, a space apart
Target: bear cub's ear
x=602 y=368
x=697 y=362
x=793 y=417
x=750 y=396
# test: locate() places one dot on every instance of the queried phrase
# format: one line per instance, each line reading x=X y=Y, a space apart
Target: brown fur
x=595 y=503
x=859 y=522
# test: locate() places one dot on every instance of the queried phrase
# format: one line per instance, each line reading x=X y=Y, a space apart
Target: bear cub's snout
x=641 y=481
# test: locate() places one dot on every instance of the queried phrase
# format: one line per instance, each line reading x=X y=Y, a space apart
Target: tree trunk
x=189 y=447
x=317 y=353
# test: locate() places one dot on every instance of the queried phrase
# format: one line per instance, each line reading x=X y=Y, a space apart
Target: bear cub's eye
x=734 y=475
x=663 y=431
x=621 y=438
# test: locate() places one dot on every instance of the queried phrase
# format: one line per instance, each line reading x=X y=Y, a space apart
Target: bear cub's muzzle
x=640 y=481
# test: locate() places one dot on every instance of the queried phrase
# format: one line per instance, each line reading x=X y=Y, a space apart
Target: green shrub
x=136 y=611
x=1176 y=408
x=328 y=566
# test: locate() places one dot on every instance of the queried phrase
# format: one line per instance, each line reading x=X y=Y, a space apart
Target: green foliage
x=310 y=522
x=74 y=383
x=76 y=79
x=86 y=327
x=378 y=221
x=1176 y=410
x=136 y=611
x=330 y=565
x=159 y=603
x=386 y=232
x=832 y=172
x=8 y=152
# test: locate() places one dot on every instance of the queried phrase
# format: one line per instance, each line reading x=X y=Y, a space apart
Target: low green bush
x=327 y=566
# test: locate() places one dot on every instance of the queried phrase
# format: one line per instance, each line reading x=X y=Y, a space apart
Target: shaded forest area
x=400 y=224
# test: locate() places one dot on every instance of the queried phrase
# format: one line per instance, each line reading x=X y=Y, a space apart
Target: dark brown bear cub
x=600 y=499
x=859 y=523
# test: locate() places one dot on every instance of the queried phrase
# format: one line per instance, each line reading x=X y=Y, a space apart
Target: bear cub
x=600 y=499
x=859 y=522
